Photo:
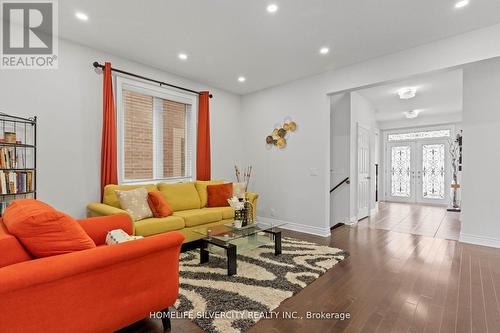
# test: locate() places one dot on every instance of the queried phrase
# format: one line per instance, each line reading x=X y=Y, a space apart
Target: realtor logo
x=29 y=34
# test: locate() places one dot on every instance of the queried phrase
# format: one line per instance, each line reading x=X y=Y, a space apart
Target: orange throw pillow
x=218 y=195
x=159 y=206
x=43 y=230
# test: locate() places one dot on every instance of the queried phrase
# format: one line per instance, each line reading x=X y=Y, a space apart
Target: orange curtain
x=109 y=173
x=203 y=143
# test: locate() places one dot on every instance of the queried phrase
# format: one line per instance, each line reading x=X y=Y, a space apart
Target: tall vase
x=455 y=197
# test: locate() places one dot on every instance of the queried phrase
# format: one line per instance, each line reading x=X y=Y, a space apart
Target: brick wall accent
x=174 y=139
x=138 y=135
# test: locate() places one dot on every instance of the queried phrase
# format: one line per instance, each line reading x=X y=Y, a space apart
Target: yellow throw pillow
x=135 y=202
x=201 y=187
x=180 y=196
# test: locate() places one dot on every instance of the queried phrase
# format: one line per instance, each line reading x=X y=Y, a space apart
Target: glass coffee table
x=231 y=240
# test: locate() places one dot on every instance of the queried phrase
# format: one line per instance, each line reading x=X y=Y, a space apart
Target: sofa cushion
x=227 y=212
x=218 y=195
x=153 y=226
x=110 y=198
x=201 y=187
x=180 y=196
x=11 y=249
x=196 y=217
x=44 y=231
x=159 y=206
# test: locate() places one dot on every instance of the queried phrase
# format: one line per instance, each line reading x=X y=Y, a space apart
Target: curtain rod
x=98 y=65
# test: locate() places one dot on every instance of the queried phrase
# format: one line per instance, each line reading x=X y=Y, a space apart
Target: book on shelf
x=10 y=160
x=14 y=182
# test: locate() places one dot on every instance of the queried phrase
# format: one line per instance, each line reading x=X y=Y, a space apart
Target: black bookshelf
x=18 y=176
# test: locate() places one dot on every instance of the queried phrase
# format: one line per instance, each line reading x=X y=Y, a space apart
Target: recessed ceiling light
x=272 y=8
x=81 y=16
x=412 y=114
x=324 y=50
x=461 y=4
x=183 y=56
x=241 y=79
x=407 y=93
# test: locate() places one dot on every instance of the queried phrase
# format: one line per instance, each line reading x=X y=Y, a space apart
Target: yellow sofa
x=188 y=201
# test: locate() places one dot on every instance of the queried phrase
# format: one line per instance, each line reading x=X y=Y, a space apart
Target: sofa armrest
x=252 y=197
x=98 y=227
x=100 y=209
x=130 y=279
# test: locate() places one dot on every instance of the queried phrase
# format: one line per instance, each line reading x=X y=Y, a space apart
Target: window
x=419 y=135
x=154 y=132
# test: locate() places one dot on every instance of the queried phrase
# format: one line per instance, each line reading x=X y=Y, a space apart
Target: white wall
x=340 y=154
x=362 y=113
x=283 y=177
x=480 y=180
x=68 y=102
x=440 y=119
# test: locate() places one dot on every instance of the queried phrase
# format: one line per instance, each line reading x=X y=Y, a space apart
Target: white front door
x=363 y=172
x=432 y=176
x=401 y=172
x=418 y=171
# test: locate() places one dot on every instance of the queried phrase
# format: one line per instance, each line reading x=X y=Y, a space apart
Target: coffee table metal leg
x=231 y=259
x=203 y=252
x=277 y=243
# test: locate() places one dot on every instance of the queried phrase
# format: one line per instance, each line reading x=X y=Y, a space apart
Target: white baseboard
x=479 y=240
x=352 y=220
x=374 y=210
x=308 y=229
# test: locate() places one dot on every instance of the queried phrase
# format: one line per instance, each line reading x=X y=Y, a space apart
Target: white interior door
x=363 y=188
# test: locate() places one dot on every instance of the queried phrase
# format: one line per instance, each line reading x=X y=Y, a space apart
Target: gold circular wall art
x=281 y=143
x=278 y=136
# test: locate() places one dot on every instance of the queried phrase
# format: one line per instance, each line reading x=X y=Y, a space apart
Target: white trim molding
x=318 y=231
x=352 y=220
x=479 y=240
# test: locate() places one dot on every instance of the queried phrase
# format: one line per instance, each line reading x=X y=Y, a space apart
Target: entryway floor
x=416 y=219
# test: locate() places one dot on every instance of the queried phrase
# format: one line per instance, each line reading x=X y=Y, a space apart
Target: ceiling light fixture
x=183 y=56
x=461 y=4
x=407 y=93
x=81 y=16
x=324 y=50
x=412 y=114
x=272 y=8
x=242 y=79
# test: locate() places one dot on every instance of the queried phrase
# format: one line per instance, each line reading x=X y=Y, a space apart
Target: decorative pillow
x=159 y=206
x=201 y=187
x=218 y=195
x=135 y=202
x=43 y=230
x=239 y=190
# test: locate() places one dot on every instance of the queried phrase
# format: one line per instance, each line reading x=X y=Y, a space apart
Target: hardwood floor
x=393 y=281
x=431 y=221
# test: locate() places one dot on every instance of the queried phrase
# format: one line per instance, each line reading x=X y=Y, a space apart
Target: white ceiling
x=437 y=94
x=228 y=38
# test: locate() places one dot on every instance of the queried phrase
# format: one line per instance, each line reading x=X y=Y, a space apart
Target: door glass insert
x=400 y=171
x=433 y=171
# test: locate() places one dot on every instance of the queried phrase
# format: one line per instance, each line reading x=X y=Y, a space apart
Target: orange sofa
x=97 y=290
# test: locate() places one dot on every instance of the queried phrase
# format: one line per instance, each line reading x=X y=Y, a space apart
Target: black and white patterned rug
x=225 y=304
